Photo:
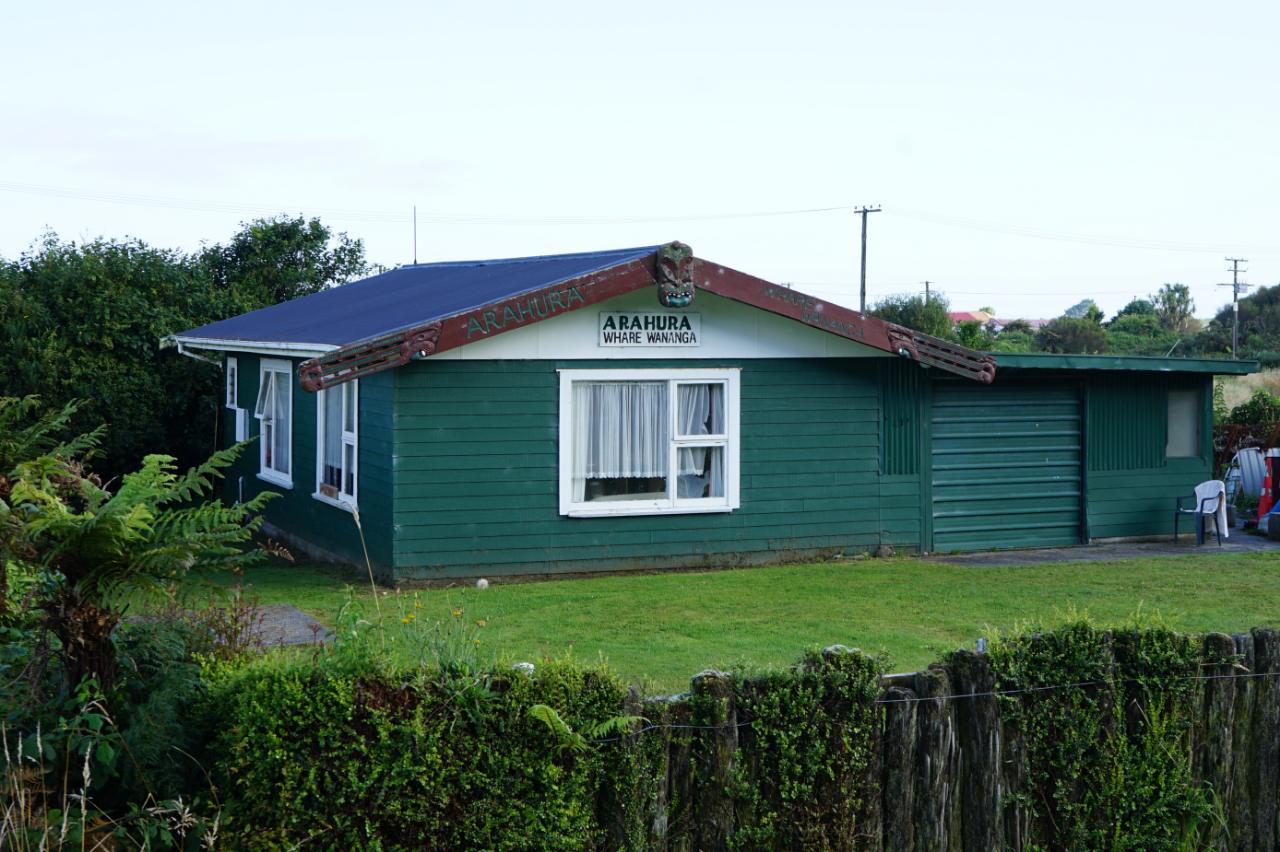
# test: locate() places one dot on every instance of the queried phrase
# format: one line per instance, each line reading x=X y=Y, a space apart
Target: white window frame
x=239 y=418
x=284 y=371
x=350 y=399
x=671 y=505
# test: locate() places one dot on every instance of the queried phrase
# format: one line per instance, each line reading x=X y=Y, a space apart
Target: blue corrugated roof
x=408 y=296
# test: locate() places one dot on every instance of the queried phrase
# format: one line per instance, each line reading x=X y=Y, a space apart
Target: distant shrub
x=1262 y=407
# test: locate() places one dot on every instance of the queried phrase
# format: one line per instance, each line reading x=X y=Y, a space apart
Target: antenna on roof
x=415 y=235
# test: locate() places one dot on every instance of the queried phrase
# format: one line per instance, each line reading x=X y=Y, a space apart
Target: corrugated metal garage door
x=1006 y=467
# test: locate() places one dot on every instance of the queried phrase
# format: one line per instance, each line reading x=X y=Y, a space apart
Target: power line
x=1062 y=236
x=206 y=205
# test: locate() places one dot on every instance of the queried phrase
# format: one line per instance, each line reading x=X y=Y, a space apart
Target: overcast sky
x=1025 y=157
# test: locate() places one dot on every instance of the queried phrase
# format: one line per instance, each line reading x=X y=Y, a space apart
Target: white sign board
x=644 y=329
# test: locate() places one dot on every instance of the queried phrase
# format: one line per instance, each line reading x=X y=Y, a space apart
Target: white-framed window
x=337 y=444
x=648 y=442
x=1184 y=424
x=275 y=421
x=239 y=417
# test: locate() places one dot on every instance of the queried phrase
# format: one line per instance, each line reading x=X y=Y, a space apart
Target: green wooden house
x=645 y=408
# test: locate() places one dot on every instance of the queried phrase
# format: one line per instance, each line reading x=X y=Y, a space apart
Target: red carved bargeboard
x=397 y=348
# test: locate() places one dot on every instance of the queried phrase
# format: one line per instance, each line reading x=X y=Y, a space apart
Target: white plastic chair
x=1210 y=499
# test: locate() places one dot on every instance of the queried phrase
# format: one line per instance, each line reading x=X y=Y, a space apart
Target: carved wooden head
x=675 y=275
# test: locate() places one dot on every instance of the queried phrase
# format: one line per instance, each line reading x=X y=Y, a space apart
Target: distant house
x=646 y=408
x=990 y=321
x=958 y=317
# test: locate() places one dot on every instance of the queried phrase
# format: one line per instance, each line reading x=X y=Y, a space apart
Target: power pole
x=1236 y=289
x=863 y=211
x=926 y=291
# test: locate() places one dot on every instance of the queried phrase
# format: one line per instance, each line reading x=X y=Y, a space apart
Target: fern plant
x=580 y=741
x=99 y=546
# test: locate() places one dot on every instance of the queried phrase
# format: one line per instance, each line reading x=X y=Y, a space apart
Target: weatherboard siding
x=477 y=457
x=323 y=526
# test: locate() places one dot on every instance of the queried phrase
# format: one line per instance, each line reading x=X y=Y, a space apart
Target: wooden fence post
x=715 y=707
x=937 y=818
x=898 y=769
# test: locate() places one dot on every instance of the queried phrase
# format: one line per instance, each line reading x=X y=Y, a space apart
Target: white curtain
x=701 y=412
x=333 y=437
x=621 y=431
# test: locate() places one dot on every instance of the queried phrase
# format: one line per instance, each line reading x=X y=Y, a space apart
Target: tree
x=1018 y=326
x=278 y=259
x=1084 y=309
x=1014 y=341
x=1174 y=306
x=914 y=313
x=1136 y=307
x=1072 y=335
x=974 y=335
x=85 y=321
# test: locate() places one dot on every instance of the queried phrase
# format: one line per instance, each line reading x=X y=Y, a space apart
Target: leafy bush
x=1105 y=718
x=806 y=748
x=1262 y=407
x=329 y=754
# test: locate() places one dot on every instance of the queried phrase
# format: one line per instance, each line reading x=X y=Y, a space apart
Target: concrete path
x=1239 y=542
x=282 y=624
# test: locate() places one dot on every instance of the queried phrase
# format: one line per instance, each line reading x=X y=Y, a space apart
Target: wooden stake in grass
x=373 y=587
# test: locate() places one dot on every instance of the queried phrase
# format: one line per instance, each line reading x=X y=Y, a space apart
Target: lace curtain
x=701 y=469
x=621 y=431
x=332 y=468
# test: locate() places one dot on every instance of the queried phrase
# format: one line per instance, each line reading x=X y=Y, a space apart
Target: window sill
x=614 y=509
x=276 y=479
x=344 y=505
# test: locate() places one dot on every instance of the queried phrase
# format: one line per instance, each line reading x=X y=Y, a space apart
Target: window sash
x=337 y=444
x=726 y=460
x=274 y=411
x=233 y=391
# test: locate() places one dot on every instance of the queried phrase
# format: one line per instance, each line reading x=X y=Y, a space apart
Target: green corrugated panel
x=900 y=383
x=1128 y=419
x=1006 y=467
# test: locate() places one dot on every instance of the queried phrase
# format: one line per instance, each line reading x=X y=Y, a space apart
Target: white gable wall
x=729 y=330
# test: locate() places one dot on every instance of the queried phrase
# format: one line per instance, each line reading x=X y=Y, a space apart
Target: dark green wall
x=1131 y=485
x=476 y=482
x=322 y=525
x=833 y=458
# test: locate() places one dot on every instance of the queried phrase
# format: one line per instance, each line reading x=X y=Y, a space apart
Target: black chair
x=1200 y=511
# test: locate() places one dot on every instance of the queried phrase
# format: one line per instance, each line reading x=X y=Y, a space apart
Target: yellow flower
x=481 y=622
x=406 y=619
x=457 y=613
x=417 y=604
x=477 y=641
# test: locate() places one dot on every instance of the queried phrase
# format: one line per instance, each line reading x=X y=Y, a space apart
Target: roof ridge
x=535 y=258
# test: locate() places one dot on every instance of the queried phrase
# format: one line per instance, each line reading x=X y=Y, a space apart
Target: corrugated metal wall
x=1006 y=466
x=1128 y=421
x=901 y=384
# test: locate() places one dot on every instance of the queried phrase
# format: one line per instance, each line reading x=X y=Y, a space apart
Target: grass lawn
x=658 y=630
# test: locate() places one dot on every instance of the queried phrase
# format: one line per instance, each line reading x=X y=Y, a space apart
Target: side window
x=274 y=411
x=240 y=418
x=1184 y=424
x=337 y=430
